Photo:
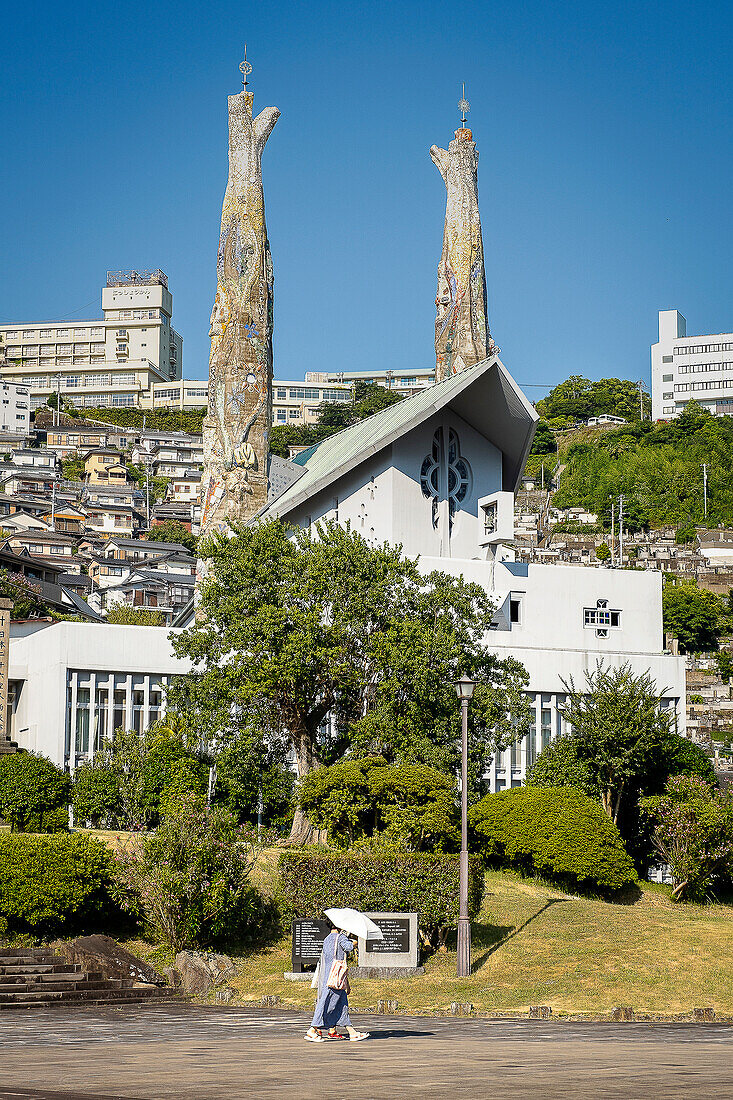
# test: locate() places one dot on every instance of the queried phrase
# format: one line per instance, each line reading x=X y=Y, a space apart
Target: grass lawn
x=533 y=944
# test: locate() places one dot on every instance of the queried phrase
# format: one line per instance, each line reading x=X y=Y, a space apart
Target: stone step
x=72 y=995
x=41 y=988
x=39 y=968
x=130 y=999
x=9 y=954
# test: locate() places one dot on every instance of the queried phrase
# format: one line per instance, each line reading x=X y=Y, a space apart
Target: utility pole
x=147 y=487
x=53 y=505
x=641 y=400
x=705 y=486
x=621 y=531
x=613 y=533
x=57 y=410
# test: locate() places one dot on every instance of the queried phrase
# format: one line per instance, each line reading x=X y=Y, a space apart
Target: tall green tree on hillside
x=172 y=530
x=657 y=468
x=578 y=398
x=337 y=645
x=694 y=615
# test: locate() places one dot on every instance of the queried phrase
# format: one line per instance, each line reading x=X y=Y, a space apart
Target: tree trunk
x=606 y=802
x=302 y=832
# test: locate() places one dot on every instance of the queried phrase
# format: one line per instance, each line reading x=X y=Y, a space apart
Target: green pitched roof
x=496 y=408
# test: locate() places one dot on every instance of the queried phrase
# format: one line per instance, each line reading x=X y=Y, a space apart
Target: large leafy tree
x=619 y=726
x=579 y=398
x=694 y=615
x=336 y=646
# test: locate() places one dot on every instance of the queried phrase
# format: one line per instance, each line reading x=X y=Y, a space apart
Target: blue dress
x=332 y=1006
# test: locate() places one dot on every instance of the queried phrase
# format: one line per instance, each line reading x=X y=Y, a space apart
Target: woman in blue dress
x=332 y=1006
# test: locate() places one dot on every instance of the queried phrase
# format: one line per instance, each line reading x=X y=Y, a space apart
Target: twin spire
x=237 y=427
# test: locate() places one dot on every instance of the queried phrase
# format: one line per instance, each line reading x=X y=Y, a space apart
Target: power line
x=73 y=313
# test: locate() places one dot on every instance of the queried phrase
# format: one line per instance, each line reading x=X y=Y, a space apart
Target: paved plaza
x=185 y=1051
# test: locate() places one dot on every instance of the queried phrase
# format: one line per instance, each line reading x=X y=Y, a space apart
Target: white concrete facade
x=687 y=368
x=15 y=410
x=72 y=683
x=558 y=621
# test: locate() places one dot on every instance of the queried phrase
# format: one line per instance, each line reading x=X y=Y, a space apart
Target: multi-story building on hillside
x=296 y=401
x=687 y=368
x=15 y=415
x=111 y=362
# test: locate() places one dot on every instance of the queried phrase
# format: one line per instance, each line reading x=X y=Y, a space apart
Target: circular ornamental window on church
x=457 y=473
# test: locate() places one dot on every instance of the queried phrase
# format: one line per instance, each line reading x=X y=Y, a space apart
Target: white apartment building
x=181 y=393
x=111 y=362
x=16 y=413
x=293 y=402
x=406 y=379
x=687 y=368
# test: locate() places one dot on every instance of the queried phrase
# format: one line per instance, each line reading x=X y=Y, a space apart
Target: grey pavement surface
x=185 y=1051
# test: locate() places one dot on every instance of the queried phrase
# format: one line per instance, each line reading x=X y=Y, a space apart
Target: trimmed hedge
x=54 y=885
x=553 y=831
x=34 y=793
x=312 y=880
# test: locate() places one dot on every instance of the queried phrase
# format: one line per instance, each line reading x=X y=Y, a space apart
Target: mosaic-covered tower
x=462 y=335
x=236 y=429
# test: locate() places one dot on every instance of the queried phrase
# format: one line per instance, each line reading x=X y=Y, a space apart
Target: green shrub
x=312 y=880
x=552 y=831
x=169 y=764
x=185 y=784
x=97 y=799
x=693 y=833
x=248 y=765
x=55 y=885
x=190 y=879
x=34 y=793
x=413 y=805
x=561 y=764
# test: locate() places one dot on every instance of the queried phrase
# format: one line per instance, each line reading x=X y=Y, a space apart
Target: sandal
x=336 y=1035
x=315 y=1038
x=358 y=1036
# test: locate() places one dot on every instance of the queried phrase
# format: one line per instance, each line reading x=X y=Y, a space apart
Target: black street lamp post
x=464 y=689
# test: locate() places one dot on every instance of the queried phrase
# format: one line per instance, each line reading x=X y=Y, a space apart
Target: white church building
x=437 y=473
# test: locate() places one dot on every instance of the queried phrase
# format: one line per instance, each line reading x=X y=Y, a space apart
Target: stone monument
x=236 y=428
x=396 y=955
x=462 y=335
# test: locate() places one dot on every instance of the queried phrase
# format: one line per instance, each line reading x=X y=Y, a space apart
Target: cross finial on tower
x=245 y=69
x=463 y=106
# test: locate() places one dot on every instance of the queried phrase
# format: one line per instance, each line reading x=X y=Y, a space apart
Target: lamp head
x=464 y=688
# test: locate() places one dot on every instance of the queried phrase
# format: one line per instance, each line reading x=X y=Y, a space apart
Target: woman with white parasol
x=331 y=980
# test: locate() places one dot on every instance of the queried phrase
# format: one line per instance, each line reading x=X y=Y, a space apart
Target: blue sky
x=604 y=133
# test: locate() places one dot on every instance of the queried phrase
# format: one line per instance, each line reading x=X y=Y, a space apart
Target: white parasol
x=351 y=920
